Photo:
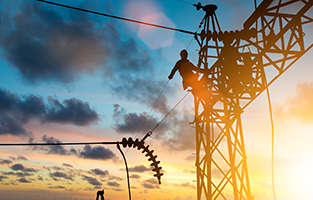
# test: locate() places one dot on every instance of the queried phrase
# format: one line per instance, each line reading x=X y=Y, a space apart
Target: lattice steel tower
x=234 y=66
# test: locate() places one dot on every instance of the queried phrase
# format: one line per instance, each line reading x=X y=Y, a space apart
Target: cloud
x=142 y=90
x=131 y=122
x=16 y=111
x=19 y=157
x=21 y=167
x=58 y=187
x=88 y=152
x=24 y=180
x=18 y=174
x=300 y=106
x=135 y=176
x=191 y=158
x=98 y=153
x=2 y=177
x=139 y=168
x=99 y=172
x=182 y=135
x=67 y=165
x=61 y=175
x=53 y=149
x=17 y=167
x=44 y=46
x=150 y=184
x=187 y=185
x=5 y=161
x=113 y=184
x=72 y=111
x=91 y=180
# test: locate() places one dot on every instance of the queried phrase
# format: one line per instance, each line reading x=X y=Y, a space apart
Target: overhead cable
x=65 y=143
x=116 y=17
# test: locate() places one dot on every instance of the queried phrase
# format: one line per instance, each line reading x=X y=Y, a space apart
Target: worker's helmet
x=184 y=53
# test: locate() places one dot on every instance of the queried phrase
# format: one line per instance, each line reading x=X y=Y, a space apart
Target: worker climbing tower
x=237 y=67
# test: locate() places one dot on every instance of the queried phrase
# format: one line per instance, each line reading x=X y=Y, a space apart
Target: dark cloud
x=2 y=177
x=135 y=176
x=61 y=175
x=98 y=153
x=19 y=157
x=58 y=187
x=142 y=90
x=91 y=180
x=17 y=167
x=150 y=184
x=53 y=149
x=99 y=172
x=21 y=167
x=16 y=111
x=131 y=122
x=113 y=184
x=139 y=168
x=67 y=165
x=88 y=152
x=300 y=106
x=18 y=174
x=24 y=180
x=72 y=111
x=5 y=161
x=44 y=46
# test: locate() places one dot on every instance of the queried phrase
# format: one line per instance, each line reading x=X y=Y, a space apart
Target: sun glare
x=301 y=178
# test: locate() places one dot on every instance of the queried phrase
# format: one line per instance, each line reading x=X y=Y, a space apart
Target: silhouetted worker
x=101 y=194
x=186 y=70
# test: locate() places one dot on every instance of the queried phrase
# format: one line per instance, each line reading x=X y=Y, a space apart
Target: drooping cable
x=126 y=166
x=144 y=121
x=116 y=17
x=272 y=127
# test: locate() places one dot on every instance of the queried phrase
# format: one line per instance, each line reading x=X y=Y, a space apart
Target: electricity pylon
x=237 y=67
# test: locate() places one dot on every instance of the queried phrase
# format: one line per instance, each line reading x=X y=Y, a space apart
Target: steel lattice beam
x=234 y=74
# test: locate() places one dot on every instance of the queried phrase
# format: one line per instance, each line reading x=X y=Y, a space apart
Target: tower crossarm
x=281 y=39
x=252 y=62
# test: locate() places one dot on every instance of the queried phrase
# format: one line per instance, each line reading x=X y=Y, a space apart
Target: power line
x=185 y=2
x=116 y=17
x=65 y=143
x=170 y=111
x=152 y=107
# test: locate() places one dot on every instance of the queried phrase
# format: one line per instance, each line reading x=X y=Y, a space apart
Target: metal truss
x=237 y=67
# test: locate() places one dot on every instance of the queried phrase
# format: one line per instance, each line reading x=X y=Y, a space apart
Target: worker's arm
x=176 y=67
x=195 y=68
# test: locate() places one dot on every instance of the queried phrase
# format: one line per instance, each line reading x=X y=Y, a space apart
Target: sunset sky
x=70 y=76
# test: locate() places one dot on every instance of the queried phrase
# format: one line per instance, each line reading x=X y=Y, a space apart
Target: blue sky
x=70 y=76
